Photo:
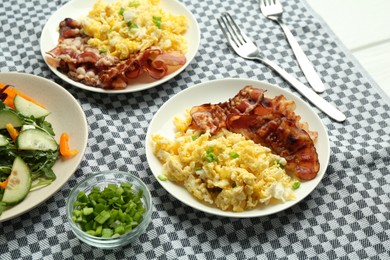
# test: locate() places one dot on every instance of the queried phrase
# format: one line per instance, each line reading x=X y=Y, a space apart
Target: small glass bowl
x=101 y=180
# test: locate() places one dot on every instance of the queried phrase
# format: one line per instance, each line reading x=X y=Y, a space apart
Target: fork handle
x=310 y=95
x=306 y=66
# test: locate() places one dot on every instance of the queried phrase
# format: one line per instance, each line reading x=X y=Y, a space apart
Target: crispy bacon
x=283 y=137
x=73 y=57
x=69 y=28
x=208 y=116
x=269 y=122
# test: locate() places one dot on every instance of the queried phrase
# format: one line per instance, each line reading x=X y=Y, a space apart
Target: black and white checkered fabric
x=345 y=217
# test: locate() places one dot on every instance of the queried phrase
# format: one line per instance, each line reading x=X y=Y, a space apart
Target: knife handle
x=310 y=95
x=306 y=66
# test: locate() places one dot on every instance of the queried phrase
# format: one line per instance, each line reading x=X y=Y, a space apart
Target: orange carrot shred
x=64 y=146
x=12 y=131
x=4 y=184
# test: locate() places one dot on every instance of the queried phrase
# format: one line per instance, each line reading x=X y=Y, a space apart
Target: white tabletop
x=363 y=27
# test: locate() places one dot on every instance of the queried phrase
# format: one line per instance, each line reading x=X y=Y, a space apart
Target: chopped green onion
x=131 y=25
x=110 y=212
x=134 y=4
x=87 y=211
x=102 y=217
x=296 y=185
x=194 y=137
x=107 y=232
x=162 y=177
x=210 y=156
x=278 y=163
x=121 y=11
x=234 y=155
x=157 y=21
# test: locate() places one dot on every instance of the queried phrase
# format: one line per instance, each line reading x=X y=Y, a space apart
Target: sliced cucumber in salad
x=36 y=139
x=10 y=117
x=28 y=108
x=3 y=140
x=19 y=183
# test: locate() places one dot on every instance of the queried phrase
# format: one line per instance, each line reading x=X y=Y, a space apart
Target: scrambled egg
x=225 y=170
x=125 y=27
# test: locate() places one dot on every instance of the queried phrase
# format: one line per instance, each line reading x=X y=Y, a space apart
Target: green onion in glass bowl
x=109 y=209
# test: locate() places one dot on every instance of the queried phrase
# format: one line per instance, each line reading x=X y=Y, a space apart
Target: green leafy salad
x=28 y=149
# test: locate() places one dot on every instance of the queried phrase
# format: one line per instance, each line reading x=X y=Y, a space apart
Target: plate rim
x=246 y=214
x=189 y=56
x=83 y=144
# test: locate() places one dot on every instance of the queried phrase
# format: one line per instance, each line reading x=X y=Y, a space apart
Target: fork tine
x=223 y=27
x=265 y=3
x=227 y=31
x=233 y=29
x=277 y=3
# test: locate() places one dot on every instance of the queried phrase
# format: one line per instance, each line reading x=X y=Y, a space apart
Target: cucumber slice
x=3 y=140
x=9 y=117
x=19 y=183
x=28 y=108
x=36 y=139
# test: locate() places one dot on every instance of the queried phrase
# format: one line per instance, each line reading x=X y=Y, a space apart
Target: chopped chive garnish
x=210 y=156
x=109 y=212
x=134 y=4
x=131 y=25
x=278 y=163
x=234 y=155
x=157 y=21
x=102 y=217
x=107 y=232
x=296 y=185
x=121 y=11
x=162 y=177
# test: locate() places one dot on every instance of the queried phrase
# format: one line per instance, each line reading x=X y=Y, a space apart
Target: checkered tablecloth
x=345 y=217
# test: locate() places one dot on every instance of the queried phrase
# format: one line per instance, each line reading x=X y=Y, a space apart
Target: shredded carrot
x=12 y=131
x=4 y=184
x=64 y=146
x=12 y=92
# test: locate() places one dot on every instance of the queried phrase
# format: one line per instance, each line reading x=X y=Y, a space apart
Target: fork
x=245 y=48
x=273 y=10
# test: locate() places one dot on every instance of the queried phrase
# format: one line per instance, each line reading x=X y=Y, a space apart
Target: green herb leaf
x=278 y=163
x=131 y=25
x=296 y=185
x=210 y=156
x=157 y=21
x=134 y=4
x=162 y=177
x=234 y=155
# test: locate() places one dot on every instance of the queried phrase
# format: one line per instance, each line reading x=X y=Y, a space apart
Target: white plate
x=66 y=116
x=79 y=8
x=219 y=91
